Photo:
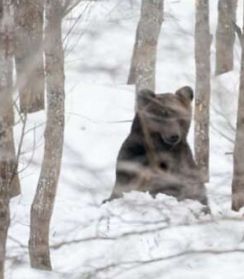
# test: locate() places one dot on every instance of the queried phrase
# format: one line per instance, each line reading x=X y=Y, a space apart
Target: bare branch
x=70 y=5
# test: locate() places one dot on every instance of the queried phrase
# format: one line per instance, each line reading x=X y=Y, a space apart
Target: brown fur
x=156 y=157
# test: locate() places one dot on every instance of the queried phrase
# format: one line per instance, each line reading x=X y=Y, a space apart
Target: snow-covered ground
x=137 y=236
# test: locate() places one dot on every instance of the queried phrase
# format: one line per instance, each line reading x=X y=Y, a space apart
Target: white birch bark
x=42 y=206
x=202 y=91
x=143 y=63
x=238 y=164
x=29 y=54
x=7 y=154
x=225 y=36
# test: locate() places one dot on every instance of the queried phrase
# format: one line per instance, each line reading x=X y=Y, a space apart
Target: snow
x=136 y=236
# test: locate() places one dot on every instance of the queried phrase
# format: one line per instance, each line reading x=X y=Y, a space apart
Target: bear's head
x=167 y=115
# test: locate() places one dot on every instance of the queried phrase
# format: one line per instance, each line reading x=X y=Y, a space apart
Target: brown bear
x=156 y=157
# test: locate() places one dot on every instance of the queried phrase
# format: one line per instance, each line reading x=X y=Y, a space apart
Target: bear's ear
x=144 y=97
x=185 y=92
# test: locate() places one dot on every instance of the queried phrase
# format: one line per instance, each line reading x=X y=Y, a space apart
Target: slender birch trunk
x=143 y=63
x=133 y=65
x=7 y=108
x=7 y=153
x=4 y=211
x=225 y=36
x=42 y=206
x=29 y=54
x=203 y=89
x=238 y=164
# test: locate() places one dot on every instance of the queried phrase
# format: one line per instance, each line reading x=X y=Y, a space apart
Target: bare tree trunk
x=143 y=63
x=238 y=167
x=14 y=181
x=225 y=36
x=7 y=108
x=6 y=124
x=29 y=54
x=42 y=206
x=133 y=65
x=4 y=211
x=202 y=59
x=7 y=112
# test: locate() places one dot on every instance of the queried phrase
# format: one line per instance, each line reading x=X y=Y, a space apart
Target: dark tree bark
x=238 y=167
x=4 y=212
x=42 y=206
x=29 y=54
x=13 y=165
x=202 y=94
x=7 y=103
x=6 y=124
x=225 y=36
x=6 y=100
x=142 y=71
